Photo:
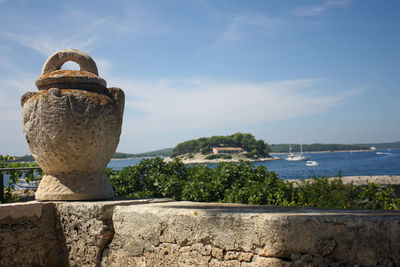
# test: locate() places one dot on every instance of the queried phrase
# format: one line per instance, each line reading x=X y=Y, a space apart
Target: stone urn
x=72 y=126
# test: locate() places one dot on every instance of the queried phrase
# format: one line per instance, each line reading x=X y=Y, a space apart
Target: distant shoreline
x=220 y=160
x=318 y=152
x=195 y=161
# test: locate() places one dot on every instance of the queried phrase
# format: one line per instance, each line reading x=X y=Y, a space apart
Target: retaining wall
x=160 y=232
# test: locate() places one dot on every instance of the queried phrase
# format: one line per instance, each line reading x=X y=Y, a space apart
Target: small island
x=233 y=148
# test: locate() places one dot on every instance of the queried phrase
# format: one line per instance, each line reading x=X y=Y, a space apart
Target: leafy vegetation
x=15 y=175
x=243 y=183
x=284 y=148
x=205 y=145
x=228 y=182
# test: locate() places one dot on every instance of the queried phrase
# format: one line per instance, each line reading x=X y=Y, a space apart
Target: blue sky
x=319 y=71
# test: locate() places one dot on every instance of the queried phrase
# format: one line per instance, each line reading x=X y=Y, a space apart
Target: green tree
x=205 y=145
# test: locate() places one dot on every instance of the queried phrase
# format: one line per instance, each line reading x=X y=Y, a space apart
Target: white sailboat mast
x=301 y=148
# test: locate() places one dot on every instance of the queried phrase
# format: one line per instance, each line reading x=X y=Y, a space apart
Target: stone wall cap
x=244 y=210
x=20 y=210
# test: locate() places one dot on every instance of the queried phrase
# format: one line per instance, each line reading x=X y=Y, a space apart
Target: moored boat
x=312 y=163
x=23 y=184
x=296 y=157
x=383 y=153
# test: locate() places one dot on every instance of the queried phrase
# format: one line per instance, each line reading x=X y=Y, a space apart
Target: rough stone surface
x=58 y=233
x=160 y=232
x=186 y=234
x=73 y=133
x=72 y=79
x=56 y=60
x=28 y=235
x=87 y=229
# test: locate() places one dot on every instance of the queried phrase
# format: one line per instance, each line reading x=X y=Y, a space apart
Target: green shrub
x=150 y=178
x=15 y=175
x=243 y=183
x=214 y=156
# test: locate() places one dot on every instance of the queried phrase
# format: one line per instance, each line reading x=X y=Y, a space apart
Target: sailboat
x=296 y=157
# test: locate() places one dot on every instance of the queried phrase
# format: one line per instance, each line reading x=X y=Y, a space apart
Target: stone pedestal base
x=74 y=186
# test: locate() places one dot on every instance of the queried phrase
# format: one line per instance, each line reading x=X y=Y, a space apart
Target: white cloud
x=242 y=24
x=11 y=91
x=46 y=43
x=317 y=10
x=181 y=105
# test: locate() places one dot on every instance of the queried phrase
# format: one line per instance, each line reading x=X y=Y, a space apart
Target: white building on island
x=227 y=150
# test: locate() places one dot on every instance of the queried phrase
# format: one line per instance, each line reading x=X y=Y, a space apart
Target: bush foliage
x=227 y=182
x=15 y=175
x=243 y=183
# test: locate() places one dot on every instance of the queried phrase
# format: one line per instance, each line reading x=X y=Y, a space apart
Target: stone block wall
x=28 y=235
x=160 y=232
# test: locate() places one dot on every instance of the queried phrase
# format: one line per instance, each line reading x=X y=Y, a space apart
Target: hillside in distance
x=165 y=152
x=392 y=145
x=284 y=148
x=118 y=155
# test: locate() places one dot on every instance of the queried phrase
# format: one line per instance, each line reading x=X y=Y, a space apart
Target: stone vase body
x=72 y=126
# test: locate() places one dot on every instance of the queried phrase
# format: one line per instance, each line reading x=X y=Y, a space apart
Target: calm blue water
x=349 y=163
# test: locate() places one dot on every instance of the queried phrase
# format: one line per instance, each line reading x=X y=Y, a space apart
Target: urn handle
x=56 y=60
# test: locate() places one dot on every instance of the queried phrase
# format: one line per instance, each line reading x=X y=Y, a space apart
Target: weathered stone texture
x=57 y=59
x=28 y=235
x=72 y=126
x=72 y=135
x=87 y=229
x=160 y=232
x=177 y=234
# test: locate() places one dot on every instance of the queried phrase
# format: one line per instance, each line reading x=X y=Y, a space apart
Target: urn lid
x=84 y=79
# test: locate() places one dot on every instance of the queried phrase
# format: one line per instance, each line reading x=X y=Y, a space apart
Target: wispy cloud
x=317 y=10
x=46 y=44
x=47 y=37
x=242 y=24
x=173 y=105
x=12 y=89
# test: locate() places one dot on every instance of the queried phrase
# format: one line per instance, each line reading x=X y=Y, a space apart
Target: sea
x=380 y=162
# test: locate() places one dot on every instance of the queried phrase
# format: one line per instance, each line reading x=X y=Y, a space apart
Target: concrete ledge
x=160 y=232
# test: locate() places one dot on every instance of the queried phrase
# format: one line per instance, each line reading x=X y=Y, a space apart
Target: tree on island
x=204 y=145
